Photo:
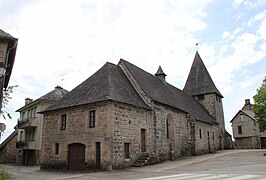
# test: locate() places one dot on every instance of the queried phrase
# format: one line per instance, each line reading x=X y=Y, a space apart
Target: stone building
x=122 y=112
x=246 y=131
x=30 y=127
x=8 y=149
x=8 y=48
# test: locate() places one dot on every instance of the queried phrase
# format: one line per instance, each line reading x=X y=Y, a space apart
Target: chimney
x=247 y=101
x=248 y=105
x=28 y=100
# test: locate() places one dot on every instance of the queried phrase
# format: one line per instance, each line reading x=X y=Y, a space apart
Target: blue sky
x=76 y=38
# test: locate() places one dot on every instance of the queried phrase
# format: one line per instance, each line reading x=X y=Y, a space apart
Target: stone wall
x=8 y=150
x=168 y=132
x=77 y=131
x=127 y=124
x=213 y=104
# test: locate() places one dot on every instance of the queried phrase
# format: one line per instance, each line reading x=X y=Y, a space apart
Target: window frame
x=56 y=149
x=127 y=150
x=92 y=119
x=63 y=122
x=239 y=130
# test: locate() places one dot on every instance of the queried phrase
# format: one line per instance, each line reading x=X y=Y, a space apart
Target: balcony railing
x=27 y=123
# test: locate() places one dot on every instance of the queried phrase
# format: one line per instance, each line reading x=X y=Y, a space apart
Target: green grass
x=4 y=175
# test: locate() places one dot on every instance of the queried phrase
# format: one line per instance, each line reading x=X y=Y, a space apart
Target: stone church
x=122 y=112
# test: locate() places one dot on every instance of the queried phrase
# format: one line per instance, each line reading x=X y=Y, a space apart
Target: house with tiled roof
x=122 y=113
x=246 y=131
x=30 y=125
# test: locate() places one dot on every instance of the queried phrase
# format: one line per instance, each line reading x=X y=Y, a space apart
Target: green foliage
x=260 y=105
x=6 y=97
x=4 y=175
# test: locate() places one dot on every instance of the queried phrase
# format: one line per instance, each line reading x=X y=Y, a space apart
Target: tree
x=6 y=97
x=260 y=105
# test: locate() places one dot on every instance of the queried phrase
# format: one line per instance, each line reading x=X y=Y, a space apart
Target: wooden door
x=143 y=140
x=76 y=157
x=263 y=142
x=98 y=155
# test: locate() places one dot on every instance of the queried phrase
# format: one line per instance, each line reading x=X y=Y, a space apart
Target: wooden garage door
x=76 y=157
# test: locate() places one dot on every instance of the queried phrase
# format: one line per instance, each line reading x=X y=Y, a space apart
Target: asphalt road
x=227 y=164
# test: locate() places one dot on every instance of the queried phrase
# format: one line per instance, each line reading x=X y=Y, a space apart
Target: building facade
x=30 y=125
x=246 y=131
x=121 y=112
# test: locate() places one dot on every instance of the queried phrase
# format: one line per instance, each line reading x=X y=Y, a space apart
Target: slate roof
x=111 y=83
x=199 y=80
x=108 y=83
x=167 y=94
x=53 y=96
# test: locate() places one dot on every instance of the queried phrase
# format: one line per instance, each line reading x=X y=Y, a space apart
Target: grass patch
x=4 y=175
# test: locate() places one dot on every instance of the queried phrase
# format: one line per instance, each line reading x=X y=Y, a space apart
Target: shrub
x=4 y=175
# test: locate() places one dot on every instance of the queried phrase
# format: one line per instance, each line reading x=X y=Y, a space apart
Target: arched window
x=170 y=127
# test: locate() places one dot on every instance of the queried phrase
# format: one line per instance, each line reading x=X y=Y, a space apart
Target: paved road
x=229 y=164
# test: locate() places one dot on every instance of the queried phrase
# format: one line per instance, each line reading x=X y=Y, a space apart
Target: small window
x=200 y=135
x=56 y=148
x=208 y=133
x=92 y=119
x=63 y=122
x=239 y=129
x=167 y=129
x=201 y=97
x=218 y=98
x=213 y=135
x=241 y=117
x=126 y=150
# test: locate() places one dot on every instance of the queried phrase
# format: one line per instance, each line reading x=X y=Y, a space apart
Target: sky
x=63 y=42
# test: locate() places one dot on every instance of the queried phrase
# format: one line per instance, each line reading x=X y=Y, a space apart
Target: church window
x=63 y=122
x=170 y=127
x=56 y=148
x=200 y=134
x=126 y=150
x=92 y=119
x=239 y=129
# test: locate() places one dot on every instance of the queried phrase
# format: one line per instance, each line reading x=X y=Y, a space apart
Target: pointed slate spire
x=199 y=81
x=160 y=74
